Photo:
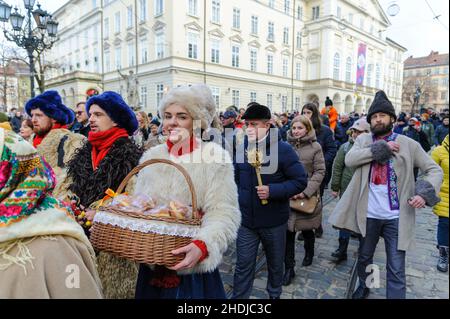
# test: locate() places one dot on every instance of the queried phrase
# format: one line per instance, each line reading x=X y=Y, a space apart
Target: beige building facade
x=282 y=53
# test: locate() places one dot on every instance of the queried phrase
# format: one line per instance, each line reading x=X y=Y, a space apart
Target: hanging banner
x=361 y=67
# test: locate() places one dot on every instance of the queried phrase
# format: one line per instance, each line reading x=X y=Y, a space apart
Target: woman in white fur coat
x=187 y=113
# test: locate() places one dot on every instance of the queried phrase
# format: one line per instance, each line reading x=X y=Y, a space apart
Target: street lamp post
x=33 y=40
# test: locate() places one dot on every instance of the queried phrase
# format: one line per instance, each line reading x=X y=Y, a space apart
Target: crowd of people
x=381 y=166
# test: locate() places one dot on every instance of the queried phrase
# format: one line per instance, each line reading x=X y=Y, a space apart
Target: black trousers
x=274 y=242
x=289 y=259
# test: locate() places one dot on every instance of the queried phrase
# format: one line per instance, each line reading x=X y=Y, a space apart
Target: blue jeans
x=396 y=277
x=274 y=243
x=442 y=233
x=343 y=234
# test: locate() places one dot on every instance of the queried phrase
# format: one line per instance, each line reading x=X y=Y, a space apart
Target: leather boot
x=289 y=274
x=309 y=252
x=361 y=293
x=341 y=253
x=442 y=265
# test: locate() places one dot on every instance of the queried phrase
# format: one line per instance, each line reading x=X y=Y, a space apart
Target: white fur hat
x=197 y=99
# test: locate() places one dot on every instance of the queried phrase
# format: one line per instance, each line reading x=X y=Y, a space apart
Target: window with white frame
x=285 y=67
x=299 y=40
x=315 y=12
x=131 y=54
x=215 y=51
x=215 y=16
x=159 y=7
x=361 y=23
x=377 y=76
x=236 y=18
x=96 y=61
x=252 y=97
x=193 y=7
x=94 y=4
x=144 y=96
x=272 y=4
x=253 y=59
x=287 y=6
x=193 y=39
x=338 y=12
x=269 y=64
x=235 y=56
x=270 y=32
x=348 y=70
x=144 y=51
x=336 y=66
x=129 y=17
x=270 y=101
x=299 y=12
x=159 y=93
x=216 y=95
x=108 y=61
x=143 y=10
x=369 y=75
x=286 y=36
x=350 y=18
x=298 y=70
x=106 y=28
x=297 y=103
x=117 y=26
x=118 y=57
x=284 y=103
x=254 y=25
x=236 y=98
x=160 y=40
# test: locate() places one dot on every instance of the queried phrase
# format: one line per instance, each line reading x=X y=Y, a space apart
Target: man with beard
x=386 y=196
x=53 y=140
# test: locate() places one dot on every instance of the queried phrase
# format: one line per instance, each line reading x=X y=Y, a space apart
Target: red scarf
x=182 y=148
x=39 y=138
x=102 y=142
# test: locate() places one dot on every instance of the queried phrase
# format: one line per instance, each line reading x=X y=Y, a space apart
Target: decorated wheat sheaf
x=255 y=159
x=145 y=238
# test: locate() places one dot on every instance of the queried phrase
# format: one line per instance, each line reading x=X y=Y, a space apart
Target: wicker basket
x=144 y=247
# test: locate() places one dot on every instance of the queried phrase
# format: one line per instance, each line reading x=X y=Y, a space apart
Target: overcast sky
x=413 y=27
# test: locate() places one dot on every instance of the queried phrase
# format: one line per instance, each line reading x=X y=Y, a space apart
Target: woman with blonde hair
x=188 y=112
x=140 y=137
x=302 y=137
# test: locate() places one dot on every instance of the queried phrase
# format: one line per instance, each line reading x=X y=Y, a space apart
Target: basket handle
x=138 y=168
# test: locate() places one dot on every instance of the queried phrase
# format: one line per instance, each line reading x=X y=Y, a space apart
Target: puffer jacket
x=311 y=156
x=440 y=156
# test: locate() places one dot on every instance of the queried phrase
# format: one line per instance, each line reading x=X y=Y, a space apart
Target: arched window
x=377 y=76
x=348 y=70
x=336 y=66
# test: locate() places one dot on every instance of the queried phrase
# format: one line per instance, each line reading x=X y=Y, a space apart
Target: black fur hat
x=256 y=111
x=381 y=104
x=328 y=101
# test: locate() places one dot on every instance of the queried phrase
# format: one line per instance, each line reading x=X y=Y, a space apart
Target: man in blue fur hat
x=101 y=164
x=52 y=139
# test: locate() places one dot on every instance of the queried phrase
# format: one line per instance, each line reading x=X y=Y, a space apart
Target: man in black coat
x=283 y=176
x=16 y=121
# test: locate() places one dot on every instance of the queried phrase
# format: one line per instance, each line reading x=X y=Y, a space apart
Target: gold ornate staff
x=255 y=159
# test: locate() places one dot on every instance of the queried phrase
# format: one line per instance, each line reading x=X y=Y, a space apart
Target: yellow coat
x=440 y=156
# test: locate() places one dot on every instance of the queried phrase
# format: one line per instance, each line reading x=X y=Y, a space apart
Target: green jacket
x=428 y=129
x=341 y=175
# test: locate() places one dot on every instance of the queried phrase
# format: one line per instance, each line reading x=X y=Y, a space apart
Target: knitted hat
x=50 y=104
x=197 y=99
x=381 y=104
x=116 y=108
x=328 y=102
x=256 y=111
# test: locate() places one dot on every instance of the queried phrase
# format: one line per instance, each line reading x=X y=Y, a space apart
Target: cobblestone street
x=325 y=279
